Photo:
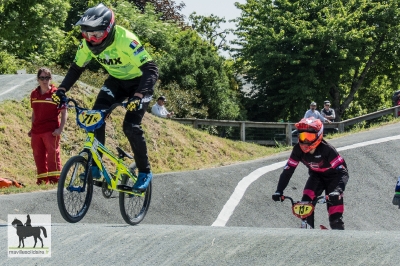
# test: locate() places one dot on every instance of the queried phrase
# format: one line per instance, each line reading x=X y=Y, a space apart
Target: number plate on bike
x=302 y=209
x=90 y=119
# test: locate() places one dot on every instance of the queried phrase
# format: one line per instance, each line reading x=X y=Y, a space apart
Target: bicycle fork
x=304 y=224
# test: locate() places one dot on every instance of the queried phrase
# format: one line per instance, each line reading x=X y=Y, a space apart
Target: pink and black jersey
x=325 y=162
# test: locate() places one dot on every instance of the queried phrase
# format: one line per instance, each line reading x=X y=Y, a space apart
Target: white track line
x=246 y=181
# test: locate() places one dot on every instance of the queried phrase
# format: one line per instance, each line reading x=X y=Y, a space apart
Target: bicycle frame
x=93 y=148
x=91 y=120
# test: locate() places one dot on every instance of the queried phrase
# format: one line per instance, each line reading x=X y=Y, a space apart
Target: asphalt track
x=225 y=216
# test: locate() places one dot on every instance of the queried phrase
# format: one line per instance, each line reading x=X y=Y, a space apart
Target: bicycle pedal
x=124 y=187
x=98 y=183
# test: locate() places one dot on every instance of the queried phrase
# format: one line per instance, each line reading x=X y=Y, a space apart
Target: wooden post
x=341 y=127
x=243 y=131
x=289 y=134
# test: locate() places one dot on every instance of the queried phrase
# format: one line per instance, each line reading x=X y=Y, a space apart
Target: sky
x=221 y=8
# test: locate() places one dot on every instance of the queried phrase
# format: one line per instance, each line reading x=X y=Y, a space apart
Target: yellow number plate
x=303 y=210
x=89 y=118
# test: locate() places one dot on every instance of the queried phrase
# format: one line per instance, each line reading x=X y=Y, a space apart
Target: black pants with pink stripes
x=316 y=184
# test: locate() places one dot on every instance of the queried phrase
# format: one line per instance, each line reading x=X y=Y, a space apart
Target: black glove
x=59 y=98
x=278 y=196
x=134 y=104
x=335 y=196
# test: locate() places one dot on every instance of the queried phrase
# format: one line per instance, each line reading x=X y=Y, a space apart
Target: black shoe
x=396 y=199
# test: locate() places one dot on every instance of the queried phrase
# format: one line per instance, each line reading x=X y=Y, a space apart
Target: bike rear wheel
x=73 y=197
x=134 y=208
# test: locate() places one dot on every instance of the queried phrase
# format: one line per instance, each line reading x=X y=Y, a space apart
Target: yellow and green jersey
x=122 y=58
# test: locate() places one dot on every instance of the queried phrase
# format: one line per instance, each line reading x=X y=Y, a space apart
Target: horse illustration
x=27 y=231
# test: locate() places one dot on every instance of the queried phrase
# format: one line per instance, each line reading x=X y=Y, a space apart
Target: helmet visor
x=307 y=137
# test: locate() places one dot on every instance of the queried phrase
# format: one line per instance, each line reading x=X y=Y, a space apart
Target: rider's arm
x=73 y=74
x=149 y=78
x=343 y=177
x=289 y=168
x=82 y=58
x=337 y=162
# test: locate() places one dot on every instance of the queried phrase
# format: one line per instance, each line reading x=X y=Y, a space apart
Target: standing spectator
x=328 y=112
x=396 y=100
x=46 y=129
x=132 y=75
x=159 y=109
x=314 y=113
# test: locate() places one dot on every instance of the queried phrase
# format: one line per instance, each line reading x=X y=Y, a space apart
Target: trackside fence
x=271 y=133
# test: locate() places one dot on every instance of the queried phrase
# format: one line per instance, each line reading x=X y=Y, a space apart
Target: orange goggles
x=307 y=137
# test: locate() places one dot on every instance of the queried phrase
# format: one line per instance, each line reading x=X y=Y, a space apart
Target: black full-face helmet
x=98 y=25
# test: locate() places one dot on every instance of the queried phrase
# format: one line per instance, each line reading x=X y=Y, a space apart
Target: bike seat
x=123 y=154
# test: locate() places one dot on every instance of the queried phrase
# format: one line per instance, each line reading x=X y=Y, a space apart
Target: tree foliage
x=31 y=29
x=198 y=82
x=194 y=64
x=210 y=28
x=186 y=61
x=311 y=50
x=168 y=9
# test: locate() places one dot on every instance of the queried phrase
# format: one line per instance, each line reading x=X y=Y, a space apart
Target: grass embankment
x=171 y=145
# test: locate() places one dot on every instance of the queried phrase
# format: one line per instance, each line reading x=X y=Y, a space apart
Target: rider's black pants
x=113 y=91
x=315 y=185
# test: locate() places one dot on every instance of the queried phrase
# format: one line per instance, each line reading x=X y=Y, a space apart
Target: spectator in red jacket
x=46 y=129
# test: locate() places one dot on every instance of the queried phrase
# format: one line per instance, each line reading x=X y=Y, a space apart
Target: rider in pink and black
x=327 y=170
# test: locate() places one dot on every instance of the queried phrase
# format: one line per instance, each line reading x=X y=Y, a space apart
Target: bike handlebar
x=107 y=111
x=319 y=199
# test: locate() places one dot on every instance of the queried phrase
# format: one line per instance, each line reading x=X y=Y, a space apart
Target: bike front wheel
x=134 y=208
x=73 y=195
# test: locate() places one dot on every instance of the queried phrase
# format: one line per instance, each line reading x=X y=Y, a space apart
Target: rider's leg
x=107 y=96
x=336 y=224
x=335 y=210
x=396 y=197
x=310 y=191
x=133 y=131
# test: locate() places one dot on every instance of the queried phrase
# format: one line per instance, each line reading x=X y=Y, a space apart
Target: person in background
x=396 y=100
x=328 y=112
x=132 y=75
x=312 y=112
x=46 y=129
x=159 y=109
x=326 y=168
